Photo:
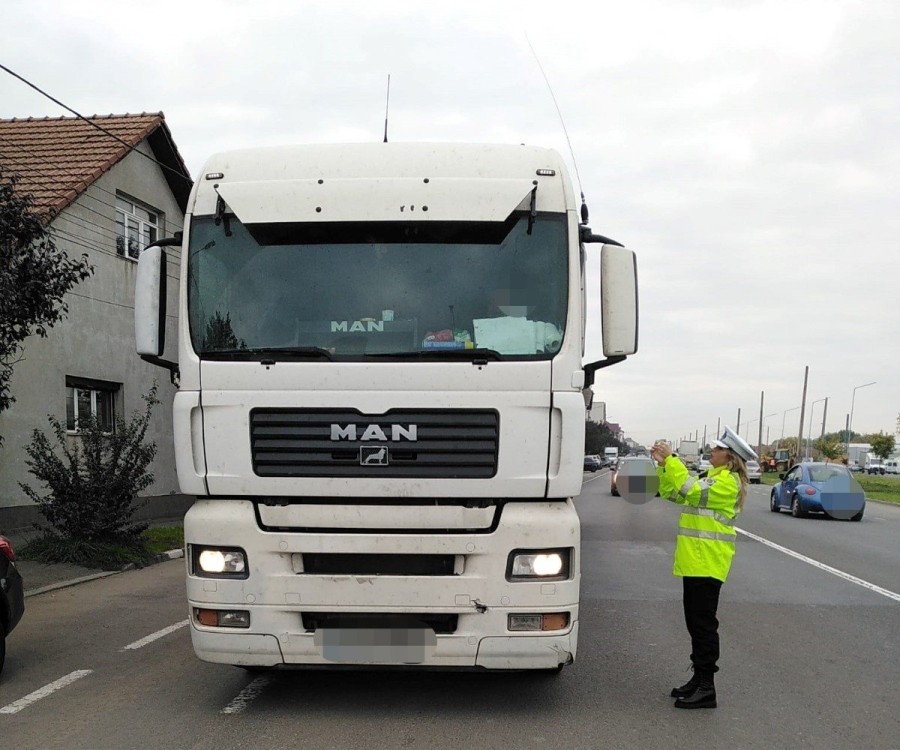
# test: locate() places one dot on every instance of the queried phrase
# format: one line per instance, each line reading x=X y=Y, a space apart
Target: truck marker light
x=223 y=618
x=538 y=622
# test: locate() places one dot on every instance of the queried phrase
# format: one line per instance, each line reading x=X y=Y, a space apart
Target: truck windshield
x=417 y=289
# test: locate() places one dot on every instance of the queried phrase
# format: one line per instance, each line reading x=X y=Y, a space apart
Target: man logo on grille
x=370 y=455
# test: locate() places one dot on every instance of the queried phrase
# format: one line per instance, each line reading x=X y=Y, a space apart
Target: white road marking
x=246 y=696
x=822 y=566
x=154 y=636
x=43 y=692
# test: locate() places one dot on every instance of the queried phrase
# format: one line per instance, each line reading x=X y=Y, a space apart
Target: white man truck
x=380 y=403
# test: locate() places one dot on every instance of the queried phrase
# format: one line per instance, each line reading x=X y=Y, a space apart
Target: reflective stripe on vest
x=709 y=512
x=689 y=485
x=713 y=535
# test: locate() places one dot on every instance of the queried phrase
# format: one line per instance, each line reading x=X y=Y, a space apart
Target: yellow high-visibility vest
x=706 y=535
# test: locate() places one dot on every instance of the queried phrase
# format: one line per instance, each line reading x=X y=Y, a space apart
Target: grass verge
x=51 y=547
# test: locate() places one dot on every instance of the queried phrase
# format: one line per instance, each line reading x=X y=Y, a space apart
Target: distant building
x=102 y=196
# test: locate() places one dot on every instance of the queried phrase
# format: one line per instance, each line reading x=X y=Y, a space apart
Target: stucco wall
x=96 y=340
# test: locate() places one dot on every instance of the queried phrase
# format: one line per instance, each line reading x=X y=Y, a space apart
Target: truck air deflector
x=367 y=200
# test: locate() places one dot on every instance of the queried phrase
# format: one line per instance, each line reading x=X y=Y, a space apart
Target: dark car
x=12 y=595
x=819 y=488
x=592 y=463
x=637 y=466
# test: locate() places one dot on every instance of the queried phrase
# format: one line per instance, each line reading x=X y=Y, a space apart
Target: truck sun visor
x=373 y=200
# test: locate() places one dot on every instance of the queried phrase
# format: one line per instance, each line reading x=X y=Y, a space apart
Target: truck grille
x=348 y=443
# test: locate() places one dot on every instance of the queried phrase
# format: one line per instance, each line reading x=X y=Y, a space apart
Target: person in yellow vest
x=704 y=549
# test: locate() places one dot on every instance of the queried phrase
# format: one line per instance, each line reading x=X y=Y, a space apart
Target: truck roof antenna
x=584 y=208
x=387 y=107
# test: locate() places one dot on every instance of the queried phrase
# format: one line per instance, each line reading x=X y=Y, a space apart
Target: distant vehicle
x=12 y=595
x=804 y=489
x=592 y=464
x=892 y=466
x=753 y=472
x=703 y=463
x=689 y=451
x=854 y=467
x=856 y=453
x=873 y=464
x=617 y=467
x=612 y=454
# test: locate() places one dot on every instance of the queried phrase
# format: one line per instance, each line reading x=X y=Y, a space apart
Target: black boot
x=688 y=688
x=704 y=696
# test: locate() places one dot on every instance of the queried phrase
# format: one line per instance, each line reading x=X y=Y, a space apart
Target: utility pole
x=825 y=414
x=802 y=412
x=738 y=428
x=762 y=400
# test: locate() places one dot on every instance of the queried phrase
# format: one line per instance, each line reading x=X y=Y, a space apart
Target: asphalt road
x=811 y=658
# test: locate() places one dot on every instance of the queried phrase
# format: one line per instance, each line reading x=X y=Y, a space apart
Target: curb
x=172 y=554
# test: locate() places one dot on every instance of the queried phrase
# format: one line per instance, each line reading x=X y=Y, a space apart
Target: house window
x=136 y=227
x=90 y=398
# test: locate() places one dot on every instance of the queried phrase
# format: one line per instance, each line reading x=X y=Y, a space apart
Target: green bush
x=92 y=488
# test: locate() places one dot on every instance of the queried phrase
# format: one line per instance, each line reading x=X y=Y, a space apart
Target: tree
x=34 y=278
x=92 y=487
x=830 y=448
x=882 y=445
x=599 y=436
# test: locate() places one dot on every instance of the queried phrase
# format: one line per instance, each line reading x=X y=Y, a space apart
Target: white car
x=703 y=464
x=753 y=472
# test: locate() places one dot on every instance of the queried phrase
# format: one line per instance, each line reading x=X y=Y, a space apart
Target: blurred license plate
x=375 y=645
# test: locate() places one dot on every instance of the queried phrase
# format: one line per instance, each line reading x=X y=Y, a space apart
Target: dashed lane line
x=14 y=708
x=246 y=696
x=822 y=566
x=155 y=636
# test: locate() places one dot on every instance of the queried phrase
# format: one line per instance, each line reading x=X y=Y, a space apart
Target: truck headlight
x=551 y=564
x=218 y=562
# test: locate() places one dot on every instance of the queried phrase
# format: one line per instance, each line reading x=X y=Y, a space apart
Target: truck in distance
x=380 y=402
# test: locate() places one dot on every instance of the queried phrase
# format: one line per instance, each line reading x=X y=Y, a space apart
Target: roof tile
x=56 y=159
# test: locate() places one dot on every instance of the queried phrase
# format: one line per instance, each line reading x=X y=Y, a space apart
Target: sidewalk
x=39 y=578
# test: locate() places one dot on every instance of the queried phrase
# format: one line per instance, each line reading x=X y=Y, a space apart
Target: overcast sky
x=749 y=152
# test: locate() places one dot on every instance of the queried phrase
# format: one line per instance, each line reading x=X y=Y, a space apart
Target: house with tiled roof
x=106 y=186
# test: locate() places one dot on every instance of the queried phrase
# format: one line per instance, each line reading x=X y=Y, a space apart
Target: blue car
x=819 y=488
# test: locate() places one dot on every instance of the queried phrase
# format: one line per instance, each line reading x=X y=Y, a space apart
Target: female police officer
x=704 y=549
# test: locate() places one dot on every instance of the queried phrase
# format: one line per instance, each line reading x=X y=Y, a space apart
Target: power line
x=95 y=125
x=107 y=302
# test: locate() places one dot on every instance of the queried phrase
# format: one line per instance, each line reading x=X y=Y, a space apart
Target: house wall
x=96 y=340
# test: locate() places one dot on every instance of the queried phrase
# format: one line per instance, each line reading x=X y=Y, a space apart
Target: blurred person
x=704 y=549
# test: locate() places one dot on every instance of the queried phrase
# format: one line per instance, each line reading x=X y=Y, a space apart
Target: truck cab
x=381 y=403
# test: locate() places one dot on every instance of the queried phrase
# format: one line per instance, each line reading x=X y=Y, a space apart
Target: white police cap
x=735 y=443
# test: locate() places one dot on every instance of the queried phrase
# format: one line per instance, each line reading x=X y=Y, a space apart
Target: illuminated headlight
x=219 y=562
x=540 y=564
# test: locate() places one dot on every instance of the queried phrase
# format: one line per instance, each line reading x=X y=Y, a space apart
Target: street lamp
x=850 y=421
x=783 y=417
x=809 y=431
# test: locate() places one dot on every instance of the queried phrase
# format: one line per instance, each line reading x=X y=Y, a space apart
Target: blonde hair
x=737 y=466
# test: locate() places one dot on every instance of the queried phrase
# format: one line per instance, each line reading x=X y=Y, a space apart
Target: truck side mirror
x=150 y=303
x=618 y=304
x=618 y=300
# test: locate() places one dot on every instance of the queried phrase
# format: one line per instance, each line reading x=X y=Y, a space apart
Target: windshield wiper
x=270 y=353
x=463 y=354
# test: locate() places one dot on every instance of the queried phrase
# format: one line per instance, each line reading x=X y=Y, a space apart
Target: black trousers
x=701 y=600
